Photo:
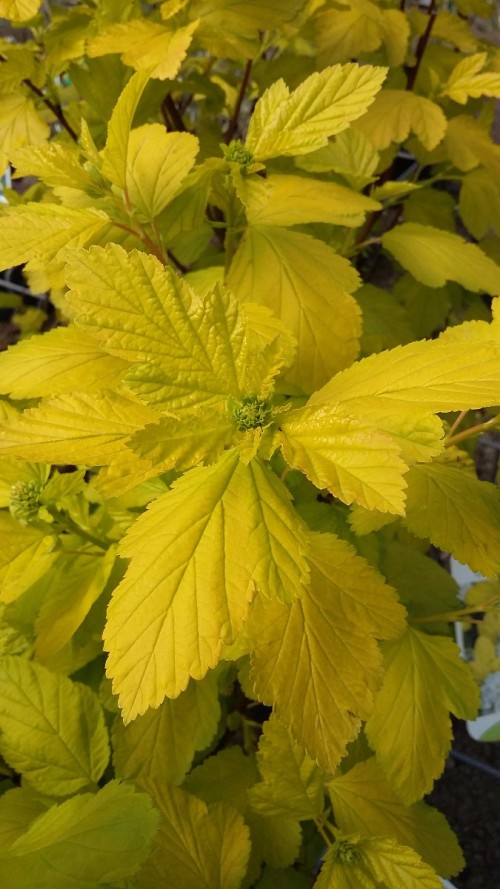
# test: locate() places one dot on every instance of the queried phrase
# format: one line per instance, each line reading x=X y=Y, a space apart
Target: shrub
x=267 y=353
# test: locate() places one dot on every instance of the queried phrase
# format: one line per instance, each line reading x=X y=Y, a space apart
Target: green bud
x=250 y=413
x=25 y=501
x=237 y=153
x=346 y=853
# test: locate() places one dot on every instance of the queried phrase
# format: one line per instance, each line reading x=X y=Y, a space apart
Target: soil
x=470 y=799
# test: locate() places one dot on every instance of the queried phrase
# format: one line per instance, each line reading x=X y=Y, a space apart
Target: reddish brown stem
x=54 y=107
x=421 y=46
x=233 y=124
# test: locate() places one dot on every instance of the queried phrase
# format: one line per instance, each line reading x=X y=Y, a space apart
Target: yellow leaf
x=196 y=555
x=233 y=28
x=77 y=427
x=19 y=10
x=317 y=661
x=145 y=45
x=351 y=155
x=308 y=286
x=33 y=231
x=348 y=457
x=20 y=123
x=56 y=362
x=396 y=113
x=157 y=163
x=295 y=200
x=396 y=36
x=285 y=123
x=115 y=152
x=456 y=512
x=363 y=802
x=54 y=163
x=354 y=861
x=466 y=81
x=430 y=254
x=342 y=34
x=468 y=144
x=196 y=847
x=410 y=727
x=427 y=376
x=479 y=203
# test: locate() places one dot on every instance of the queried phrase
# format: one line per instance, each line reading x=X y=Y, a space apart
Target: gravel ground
x=470 y=799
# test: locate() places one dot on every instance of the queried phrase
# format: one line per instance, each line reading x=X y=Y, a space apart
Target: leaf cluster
x=243 y=414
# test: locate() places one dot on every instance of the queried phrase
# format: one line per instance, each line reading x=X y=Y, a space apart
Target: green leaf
x=410 y=727
x=57 y=362
x=226 y=778
x=196 y=847
x=160 y=746
x=234 y=27
x=285 y=123
x=396 y=113
x=311 y=293
x=75 y=582
x=53 y=729
x=430 y=254
x=456 y=512
x=317 y=662
x=76 y=427
x=83 y=842
x=196 y=555
x=355 y=861
x=292 y=785
x=18 y=808
x=157 y=164
x=423 y=586
x=363 y=802
x=26 y=557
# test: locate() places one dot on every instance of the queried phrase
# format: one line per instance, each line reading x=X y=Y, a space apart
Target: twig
x=172 y=115
x=233 y=124
x=54 y=107
x=421 y=45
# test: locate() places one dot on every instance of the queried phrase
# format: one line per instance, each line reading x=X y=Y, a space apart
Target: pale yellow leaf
x=57 y=362
x=297 y=200
x=410 y=727
x=317 y=662
x=430 y=254
x=196 y=555
x=157 y=163
x=364 y=802
x=285 y=123
x=396 y=113
x=145 y=45
x=310 y=292
x=77 y=427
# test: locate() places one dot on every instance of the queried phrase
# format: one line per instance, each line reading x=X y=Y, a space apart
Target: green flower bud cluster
x=250 y=413
x=25 y=501
x=345 y=852
x=237 y=153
